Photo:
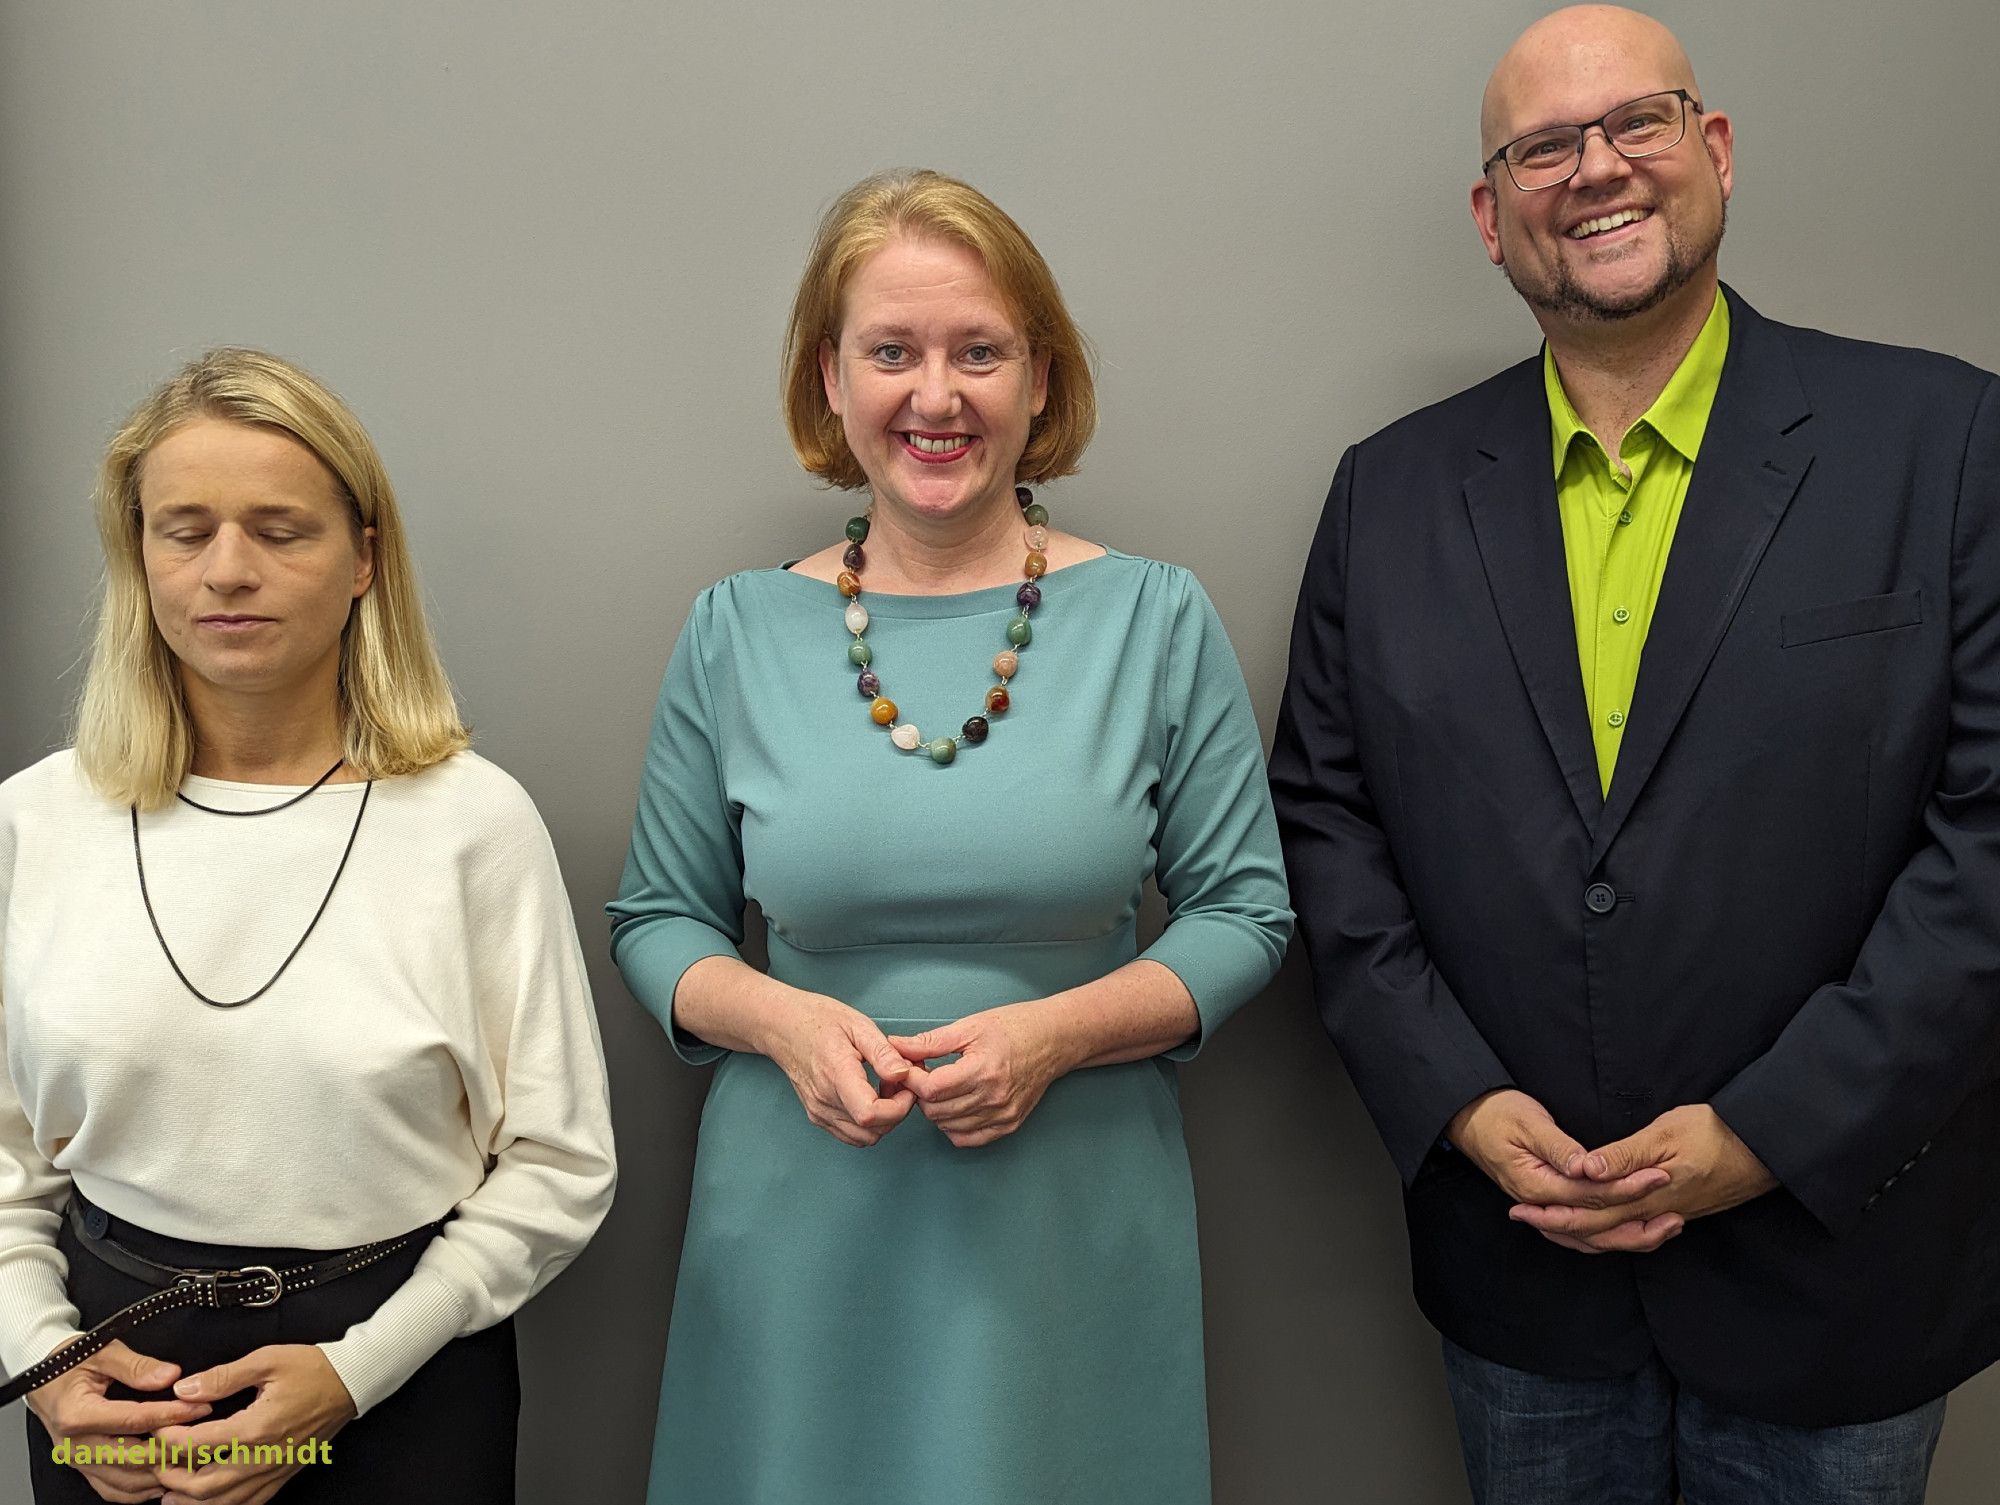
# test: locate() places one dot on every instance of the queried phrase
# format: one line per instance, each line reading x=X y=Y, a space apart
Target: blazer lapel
x=1511 y=499
x=1749 y=469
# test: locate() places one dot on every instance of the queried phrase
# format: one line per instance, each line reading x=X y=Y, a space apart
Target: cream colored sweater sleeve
x=35 y=1314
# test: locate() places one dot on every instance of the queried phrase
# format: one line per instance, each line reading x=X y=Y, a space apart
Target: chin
x=238 y=679
x=937 y=499
x=239 y=673
x=1602 y=299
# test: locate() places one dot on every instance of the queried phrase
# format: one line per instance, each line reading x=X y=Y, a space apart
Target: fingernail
x=187 y=1389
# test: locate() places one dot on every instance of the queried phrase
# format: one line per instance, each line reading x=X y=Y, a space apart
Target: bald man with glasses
x=1639 y=774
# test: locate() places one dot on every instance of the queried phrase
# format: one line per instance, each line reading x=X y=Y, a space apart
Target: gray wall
x=546 y=251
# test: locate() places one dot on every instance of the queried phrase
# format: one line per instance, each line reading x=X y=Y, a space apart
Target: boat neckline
x=991 y=598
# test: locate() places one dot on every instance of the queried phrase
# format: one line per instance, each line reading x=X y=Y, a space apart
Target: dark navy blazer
x=1788 y=906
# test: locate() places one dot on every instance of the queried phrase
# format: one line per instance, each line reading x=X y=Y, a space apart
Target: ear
x=364 y=563
x=829 y=374
x=1718 y=138
x=1040 y=365
x=1486 y=215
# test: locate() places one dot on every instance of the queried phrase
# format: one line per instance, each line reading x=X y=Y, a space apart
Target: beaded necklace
x=904 y=734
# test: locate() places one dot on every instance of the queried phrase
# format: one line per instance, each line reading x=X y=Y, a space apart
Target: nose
x=936 y=397
x=1601 y=162
x=229 y=564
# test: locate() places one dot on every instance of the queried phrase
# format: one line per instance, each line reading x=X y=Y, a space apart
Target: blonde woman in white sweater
x=290 y=996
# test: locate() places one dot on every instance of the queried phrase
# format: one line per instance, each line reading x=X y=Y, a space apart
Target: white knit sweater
x=432 y=1047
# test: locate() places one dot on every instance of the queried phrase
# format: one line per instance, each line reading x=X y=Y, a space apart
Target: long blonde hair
x=134 y=738
x=930 y=205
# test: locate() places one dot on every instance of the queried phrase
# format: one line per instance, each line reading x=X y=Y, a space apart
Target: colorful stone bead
x=1006 y=663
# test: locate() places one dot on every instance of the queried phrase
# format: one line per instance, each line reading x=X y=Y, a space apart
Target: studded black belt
x=179 y=1287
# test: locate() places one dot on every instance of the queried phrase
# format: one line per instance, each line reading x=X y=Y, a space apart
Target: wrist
x=787 y=1018
x=1055 y=1033
x=1458 y=1128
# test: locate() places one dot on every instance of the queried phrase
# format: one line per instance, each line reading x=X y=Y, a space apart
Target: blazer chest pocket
x=1847 y=619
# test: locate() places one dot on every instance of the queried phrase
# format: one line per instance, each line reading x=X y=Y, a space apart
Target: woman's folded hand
x=826 y=1048
x=1006 y=1059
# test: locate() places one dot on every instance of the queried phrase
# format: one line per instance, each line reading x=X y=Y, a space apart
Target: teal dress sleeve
x=681 y=897
x=1220 y=867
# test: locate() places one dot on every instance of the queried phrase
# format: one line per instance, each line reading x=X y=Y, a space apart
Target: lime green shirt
x=1618 y=523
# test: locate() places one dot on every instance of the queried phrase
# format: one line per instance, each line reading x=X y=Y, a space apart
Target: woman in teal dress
x=942 y=1239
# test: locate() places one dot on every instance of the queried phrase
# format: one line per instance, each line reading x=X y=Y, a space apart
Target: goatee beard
x=1567 y=299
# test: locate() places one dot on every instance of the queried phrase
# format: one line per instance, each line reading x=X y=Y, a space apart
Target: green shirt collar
x=1678 y=415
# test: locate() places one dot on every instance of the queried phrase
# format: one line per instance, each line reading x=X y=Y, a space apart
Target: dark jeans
x=1530 y=1439
x=447 y=1434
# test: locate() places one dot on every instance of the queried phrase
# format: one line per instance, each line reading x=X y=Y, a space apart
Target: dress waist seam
x=948 y=945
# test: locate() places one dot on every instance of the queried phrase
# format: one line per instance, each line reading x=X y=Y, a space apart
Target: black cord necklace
x=139 y=858
x=338 y=764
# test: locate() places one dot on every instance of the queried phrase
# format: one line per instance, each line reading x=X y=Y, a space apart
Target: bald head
x=1558 y=70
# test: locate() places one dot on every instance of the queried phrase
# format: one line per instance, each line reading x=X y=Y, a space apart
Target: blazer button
x=1599 y=898
x=96 y=1221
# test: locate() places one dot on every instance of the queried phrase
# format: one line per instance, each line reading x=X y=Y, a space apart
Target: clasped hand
x=298 y=1397
x=1005 y=1063
x=1630 y=1196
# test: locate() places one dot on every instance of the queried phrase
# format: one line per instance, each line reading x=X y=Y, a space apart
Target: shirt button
x=1599 y=898
x=1616 y=718
x=1621 y=616
x=1625 y=517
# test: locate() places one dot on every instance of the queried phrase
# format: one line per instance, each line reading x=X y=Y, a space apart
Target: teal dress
x=915 y=1323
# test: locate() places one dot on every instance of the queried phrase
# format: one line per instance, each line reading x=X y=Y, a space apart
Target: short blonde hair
x=134 y=738
x=929 y=205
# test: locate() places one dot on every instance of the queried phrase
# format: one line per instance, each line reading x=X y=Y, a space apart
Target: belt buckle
x=257 y=1272
x=219 y=1283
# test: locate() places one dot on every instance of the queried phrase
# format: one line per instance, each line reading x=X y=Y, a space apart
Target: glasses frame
x=1688 y=101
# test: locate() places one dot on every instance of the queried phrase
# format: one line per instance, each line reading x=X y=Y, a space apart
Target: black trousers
x=448 y=1433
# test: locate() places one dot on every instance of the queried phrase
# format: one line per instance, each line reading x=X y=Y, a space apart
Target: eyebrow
x=260 y=510
x=1553 y=125
x=991 y=334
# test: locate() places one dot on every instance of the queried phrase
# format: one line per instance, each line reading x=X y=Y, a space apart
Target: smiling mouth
x=1605 y=224
x=935 y=449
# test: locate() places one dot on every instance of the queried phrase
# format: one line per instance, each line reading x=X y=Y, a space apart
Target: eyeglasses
x=1640 y=128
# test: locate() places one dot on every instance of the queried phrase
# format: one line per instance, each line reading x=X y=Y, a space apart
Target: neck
x=916 y=555
x=285 y=736
x=1612 y=371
